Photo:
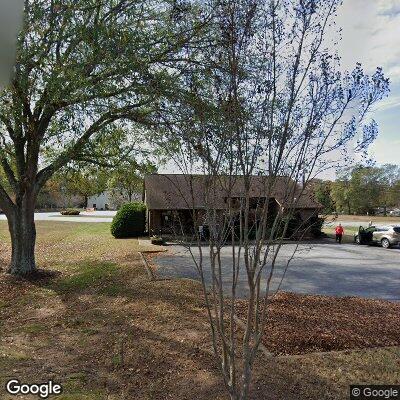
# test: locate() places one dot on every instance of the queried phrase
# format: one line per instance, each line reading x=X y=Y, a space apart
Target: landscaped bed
x=299 y=324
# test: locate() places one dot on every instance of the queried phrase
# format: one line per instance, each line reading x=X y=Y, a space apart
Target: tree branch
x=67 y=155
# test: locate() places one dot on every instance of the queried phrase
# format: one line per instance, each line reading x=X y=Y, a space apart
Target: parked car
x=386 y=236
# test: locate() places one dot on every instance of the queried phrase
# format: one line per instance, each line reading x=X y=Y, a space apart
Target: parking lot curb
x=149 y=271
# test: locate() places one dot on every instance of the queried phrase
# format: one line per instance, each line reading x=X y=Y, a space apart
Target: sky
x=371 y=36
x=10 y=20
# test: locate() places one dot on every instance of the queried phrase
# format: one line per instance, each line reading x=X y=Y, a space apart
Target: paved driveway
x=93 y=216
x=326 y=268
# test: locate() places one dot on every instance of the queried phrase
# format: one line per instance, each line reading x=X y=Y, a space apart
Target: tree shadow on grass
x=105 y=312
x=128 y=337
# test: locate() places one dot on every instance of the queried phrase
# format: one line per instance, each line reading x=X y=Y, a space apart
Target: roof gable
x=178 y=191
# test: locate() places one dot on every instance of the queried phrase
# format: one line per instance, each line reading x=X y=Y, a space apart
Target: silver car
x=387 y=236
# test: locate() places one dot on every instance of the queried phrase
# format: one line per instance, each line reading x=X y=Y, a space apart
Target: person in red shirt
x=339 y=233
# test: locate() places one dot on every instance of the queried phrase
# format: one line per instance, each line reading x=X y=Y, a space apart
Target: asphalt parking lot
x=325 y=268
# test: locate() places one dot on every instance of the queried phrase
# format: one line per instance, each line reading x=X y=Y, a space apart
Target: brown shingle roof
x=177 y=191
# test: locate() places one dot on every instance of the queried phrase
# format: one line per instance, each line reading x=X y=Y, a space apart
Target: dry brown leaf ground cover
x=299 y=324
x=104 y=331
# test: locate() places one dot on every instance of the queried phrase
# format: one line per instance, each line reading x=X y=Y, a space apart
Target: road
x=325 y=268
x=93 y=216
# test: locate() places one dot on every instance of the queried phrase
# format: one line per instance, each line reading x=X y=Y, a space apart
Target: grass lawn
x=348 y=236
x=104 y=331
x=365 y=219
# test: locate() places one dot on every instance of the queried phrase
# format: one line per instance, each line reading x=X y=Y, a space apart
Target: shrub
x=316 y=226
x=294 y=226
x=157 y=240
x=129 y=221
x=70 y=211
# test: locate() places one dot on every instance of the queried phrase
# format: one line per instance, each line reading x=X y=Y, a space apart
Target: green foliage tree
x=52 y=195
x=127 y=178
x=395 y=194
x=84 y=68
x=340 y=193
x=323 y=195
x=84 y=181
x=389 y=186
x=365 y=188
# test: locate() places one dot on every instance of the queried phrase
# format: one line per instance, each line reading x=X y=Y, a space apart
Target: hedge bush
x=129 y=221
x=70 y=211
x=316 y=226
x=157 y=240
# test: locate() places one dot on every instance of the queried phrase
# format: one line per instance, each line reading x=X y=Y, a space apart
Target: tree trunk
x=23 y=238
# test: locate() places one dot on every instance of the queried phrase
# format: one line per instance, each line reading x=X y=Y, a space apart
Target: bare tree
x=279 y=112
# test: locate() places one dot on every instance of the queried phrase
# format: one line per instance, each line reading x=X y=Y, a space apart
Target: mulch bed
x=299 y=324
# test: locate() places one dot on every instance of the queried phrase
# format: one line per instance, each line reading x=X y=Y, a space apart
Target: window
x=382 y=229
x=166 y=219
x=397 y=229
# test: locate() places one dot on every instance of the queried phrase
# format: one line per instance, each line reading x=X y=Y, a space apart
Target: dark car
x=364 y=235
